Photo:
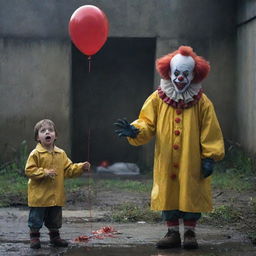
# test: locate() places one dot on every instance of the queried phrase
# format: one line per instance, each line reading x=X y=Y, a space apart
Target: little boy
x=46 y=168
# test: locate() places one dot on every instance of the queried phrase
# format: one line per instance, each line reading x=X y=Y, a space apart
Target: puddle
x=226 y=249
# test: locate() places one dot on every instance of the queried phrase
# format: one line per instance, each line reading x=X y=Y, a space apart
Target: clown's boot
x=56 y=240
x=171 y=240
x=34 y=240
x=190 y=240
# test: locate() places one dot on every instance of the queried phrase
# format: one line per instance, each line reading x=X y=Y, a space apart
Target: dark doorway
x=120 y=80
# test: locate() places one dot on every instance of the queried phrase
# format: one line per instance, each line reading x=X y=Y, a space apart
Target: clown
x=188 y=142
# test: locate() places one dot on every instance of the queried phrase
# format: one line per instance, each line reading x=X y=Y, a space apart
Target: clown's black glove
x=125 y=129
x=207 y=167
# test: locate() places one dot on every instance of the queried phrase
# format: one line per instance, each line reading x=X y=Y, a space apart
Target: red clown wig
x=201 y=69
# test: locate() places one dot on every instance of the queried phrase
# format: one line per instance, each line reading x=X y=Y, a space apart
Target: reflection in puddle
x=233 y=249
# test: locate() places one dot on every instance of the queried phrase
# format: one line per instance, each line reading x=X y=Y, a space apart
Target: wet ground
x=148 y=250
x=214 y=238
x=131 y=239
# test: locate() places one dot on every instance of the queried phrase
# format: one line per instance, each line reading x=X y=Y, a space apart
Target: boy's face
x=46 y=135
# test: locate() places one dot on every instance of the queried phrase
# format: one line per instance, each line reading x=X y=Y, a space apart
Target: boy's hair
x=40 y=124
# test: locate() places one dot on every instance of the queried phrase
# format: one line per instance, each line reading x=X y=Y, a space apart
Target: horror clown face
x=181 y=72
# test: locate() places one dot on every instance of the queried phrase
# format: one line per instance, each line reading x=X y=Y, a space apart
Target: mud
x=215 y=239
x=226 y=249
x=132 y=238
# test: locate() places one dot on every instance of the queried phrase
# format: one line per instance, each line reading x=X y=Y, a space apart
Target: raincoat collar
x=41 y=149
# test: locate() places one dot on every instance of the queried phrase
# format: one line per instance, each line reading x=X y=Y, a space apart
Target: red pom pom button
x=177 y=120
x=176 y=165
x=173 y=176
x=175 y=146
x=178 y=111
x=177 y=132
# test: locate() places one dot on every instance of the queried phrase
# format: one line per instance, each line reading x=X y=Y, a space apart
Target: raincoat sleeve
x=211 y=139
x=32 y=169
x=71 y=170
x=146 y=122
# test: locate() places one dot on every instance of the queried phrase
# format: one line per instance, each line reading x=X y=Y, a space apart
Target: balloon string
x=89 y=180
x=89 y=59
x=88 y=146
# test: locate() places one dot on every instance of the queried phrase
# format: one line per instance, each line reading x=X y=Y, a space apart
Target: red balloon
x=88 y=29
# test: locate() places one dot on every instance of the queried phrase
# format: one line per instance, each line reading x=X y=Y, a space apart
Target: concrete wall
x=34 y=84
x=246 y=75
x=35 y=54
x=136 y=18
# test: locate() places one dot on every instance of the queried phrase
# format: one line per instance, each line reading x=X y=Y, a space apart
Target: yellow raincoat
x=44 y=191
x=183 y=138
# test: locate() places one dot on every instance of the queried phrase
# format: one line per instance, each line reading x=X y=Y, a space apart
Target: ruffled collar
x=187 y=99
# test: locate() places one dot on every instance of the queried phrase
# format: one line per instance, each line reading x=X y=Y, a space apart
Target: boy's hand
x=86 y=166
x=50 y=173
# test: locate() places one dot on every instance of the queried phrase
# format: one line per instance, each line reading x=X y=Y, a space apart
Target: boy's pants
x=176 y=214
x=51 y=217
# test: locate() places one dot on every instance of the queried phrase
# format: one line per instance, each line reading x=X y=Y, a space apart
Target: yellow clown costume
x=188 y=141
x=183 y=138
x=187 y=132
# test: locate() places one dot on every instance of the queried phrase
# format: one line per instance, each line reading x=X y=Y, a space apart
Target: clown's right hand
x=124 y=129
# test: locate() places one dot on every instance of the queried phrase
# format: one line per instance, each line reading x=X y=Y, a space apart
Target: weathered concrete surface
x=14 y=235
x=246 y=89
x=26 y=98
x=137 y=18
x=36 y=64
x=245 y=77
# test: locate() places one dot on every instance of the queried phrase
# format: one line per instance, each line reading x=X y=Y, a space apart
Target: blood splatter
x=102 y=233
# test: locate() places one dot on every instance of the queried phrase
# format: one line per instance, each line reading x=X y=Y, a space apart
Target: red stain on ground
x=102 y=233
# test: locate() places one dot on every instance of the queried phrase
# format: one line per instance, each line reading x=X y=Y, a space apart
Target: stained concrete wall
x=35 y=55
x=34 y=84
x=246 y=75
x=136 y=18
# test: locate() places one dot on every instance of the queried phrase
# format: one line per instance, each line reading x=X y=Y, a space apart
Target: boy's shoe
x=170 y=240
x=56 y=240
x=34 y=240
x=190 y=240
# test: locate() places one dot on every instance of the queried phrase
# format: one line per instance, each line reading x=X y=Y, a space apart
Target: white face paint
x=182 y=72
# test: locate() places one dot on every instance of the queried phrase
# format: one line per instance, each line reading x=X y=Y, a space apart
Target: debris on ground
x=102 y=233
x=118 y=168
